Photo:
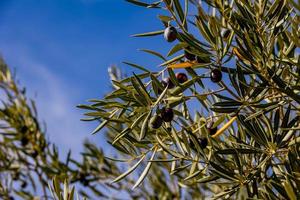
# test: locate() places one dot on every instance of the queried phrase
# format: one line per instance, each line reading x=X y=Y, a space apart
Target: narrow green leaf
x=228 y=104
x=144 y=90
x=238 y=151
x=220 y=171
x=145 y=172
x=103 y=124
x=207 y=179
x=179 y=10
x=177 y=48
x=172 y=60
x=181 y=88
x=154 y=53
x=162 y=95
x=136 y=66
x=145 y=126
x=205 y=31
x=153 y=33
x=128 y=171
x=289 y=189
x=167 y=149
x=224 y=109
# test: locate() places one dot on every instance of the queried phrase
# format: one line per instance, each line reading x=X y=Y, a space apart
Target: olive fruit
x=167 y=114
x=168 y=82
x=24 y=129
x=210 y=129
x=24 y=184
x=189 y=56
x=170 y=34
x=203 y=142
x=215 y=75
x=35 y=153
x=82 y=179
x=156 y=122
x=226 y=33
x=24 y=141
x=181 y=77
x=164 y=85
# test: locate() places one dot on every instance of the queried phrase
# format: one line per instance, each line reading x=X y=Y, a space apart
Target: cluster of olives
x=203 y=142
x=166 y=115
x=167 y=82
x=170 y=35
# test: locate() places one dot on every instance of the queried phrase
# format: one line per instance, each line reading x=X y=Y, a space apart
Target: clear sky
x=60 y=50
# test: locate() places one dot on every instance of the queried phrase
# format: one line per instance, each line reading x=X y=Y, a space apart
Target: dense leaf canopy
x=218 y=118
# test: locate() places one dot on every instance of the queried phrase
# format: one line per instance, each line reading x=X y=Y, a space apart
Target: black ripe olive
x=203 y=142
x=24 y=184
x=82 y=179
x=225 y=34
x=24 y=129
x=24 y=141
x=189 y=56
x=167 y=114
x=170 y=34
x=85 y=182
x=181 y=77
x=169 y=83
x=215 y=75
x=35 y=153
x=210 y=129
x=156 y=122
x=166 y=83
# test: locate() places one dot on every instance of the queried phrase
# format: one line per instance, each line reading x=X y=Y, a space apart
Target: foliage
x=255 y=151
x=28 y=161
x=235 y=136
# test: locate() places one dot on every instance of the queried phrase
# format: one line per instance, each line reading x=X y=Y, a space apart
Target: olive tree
x=219 y=118
x=220 y=114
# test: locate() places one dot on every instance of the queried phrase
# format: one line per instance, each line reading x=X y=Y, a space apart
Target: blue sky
x=61 y=49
